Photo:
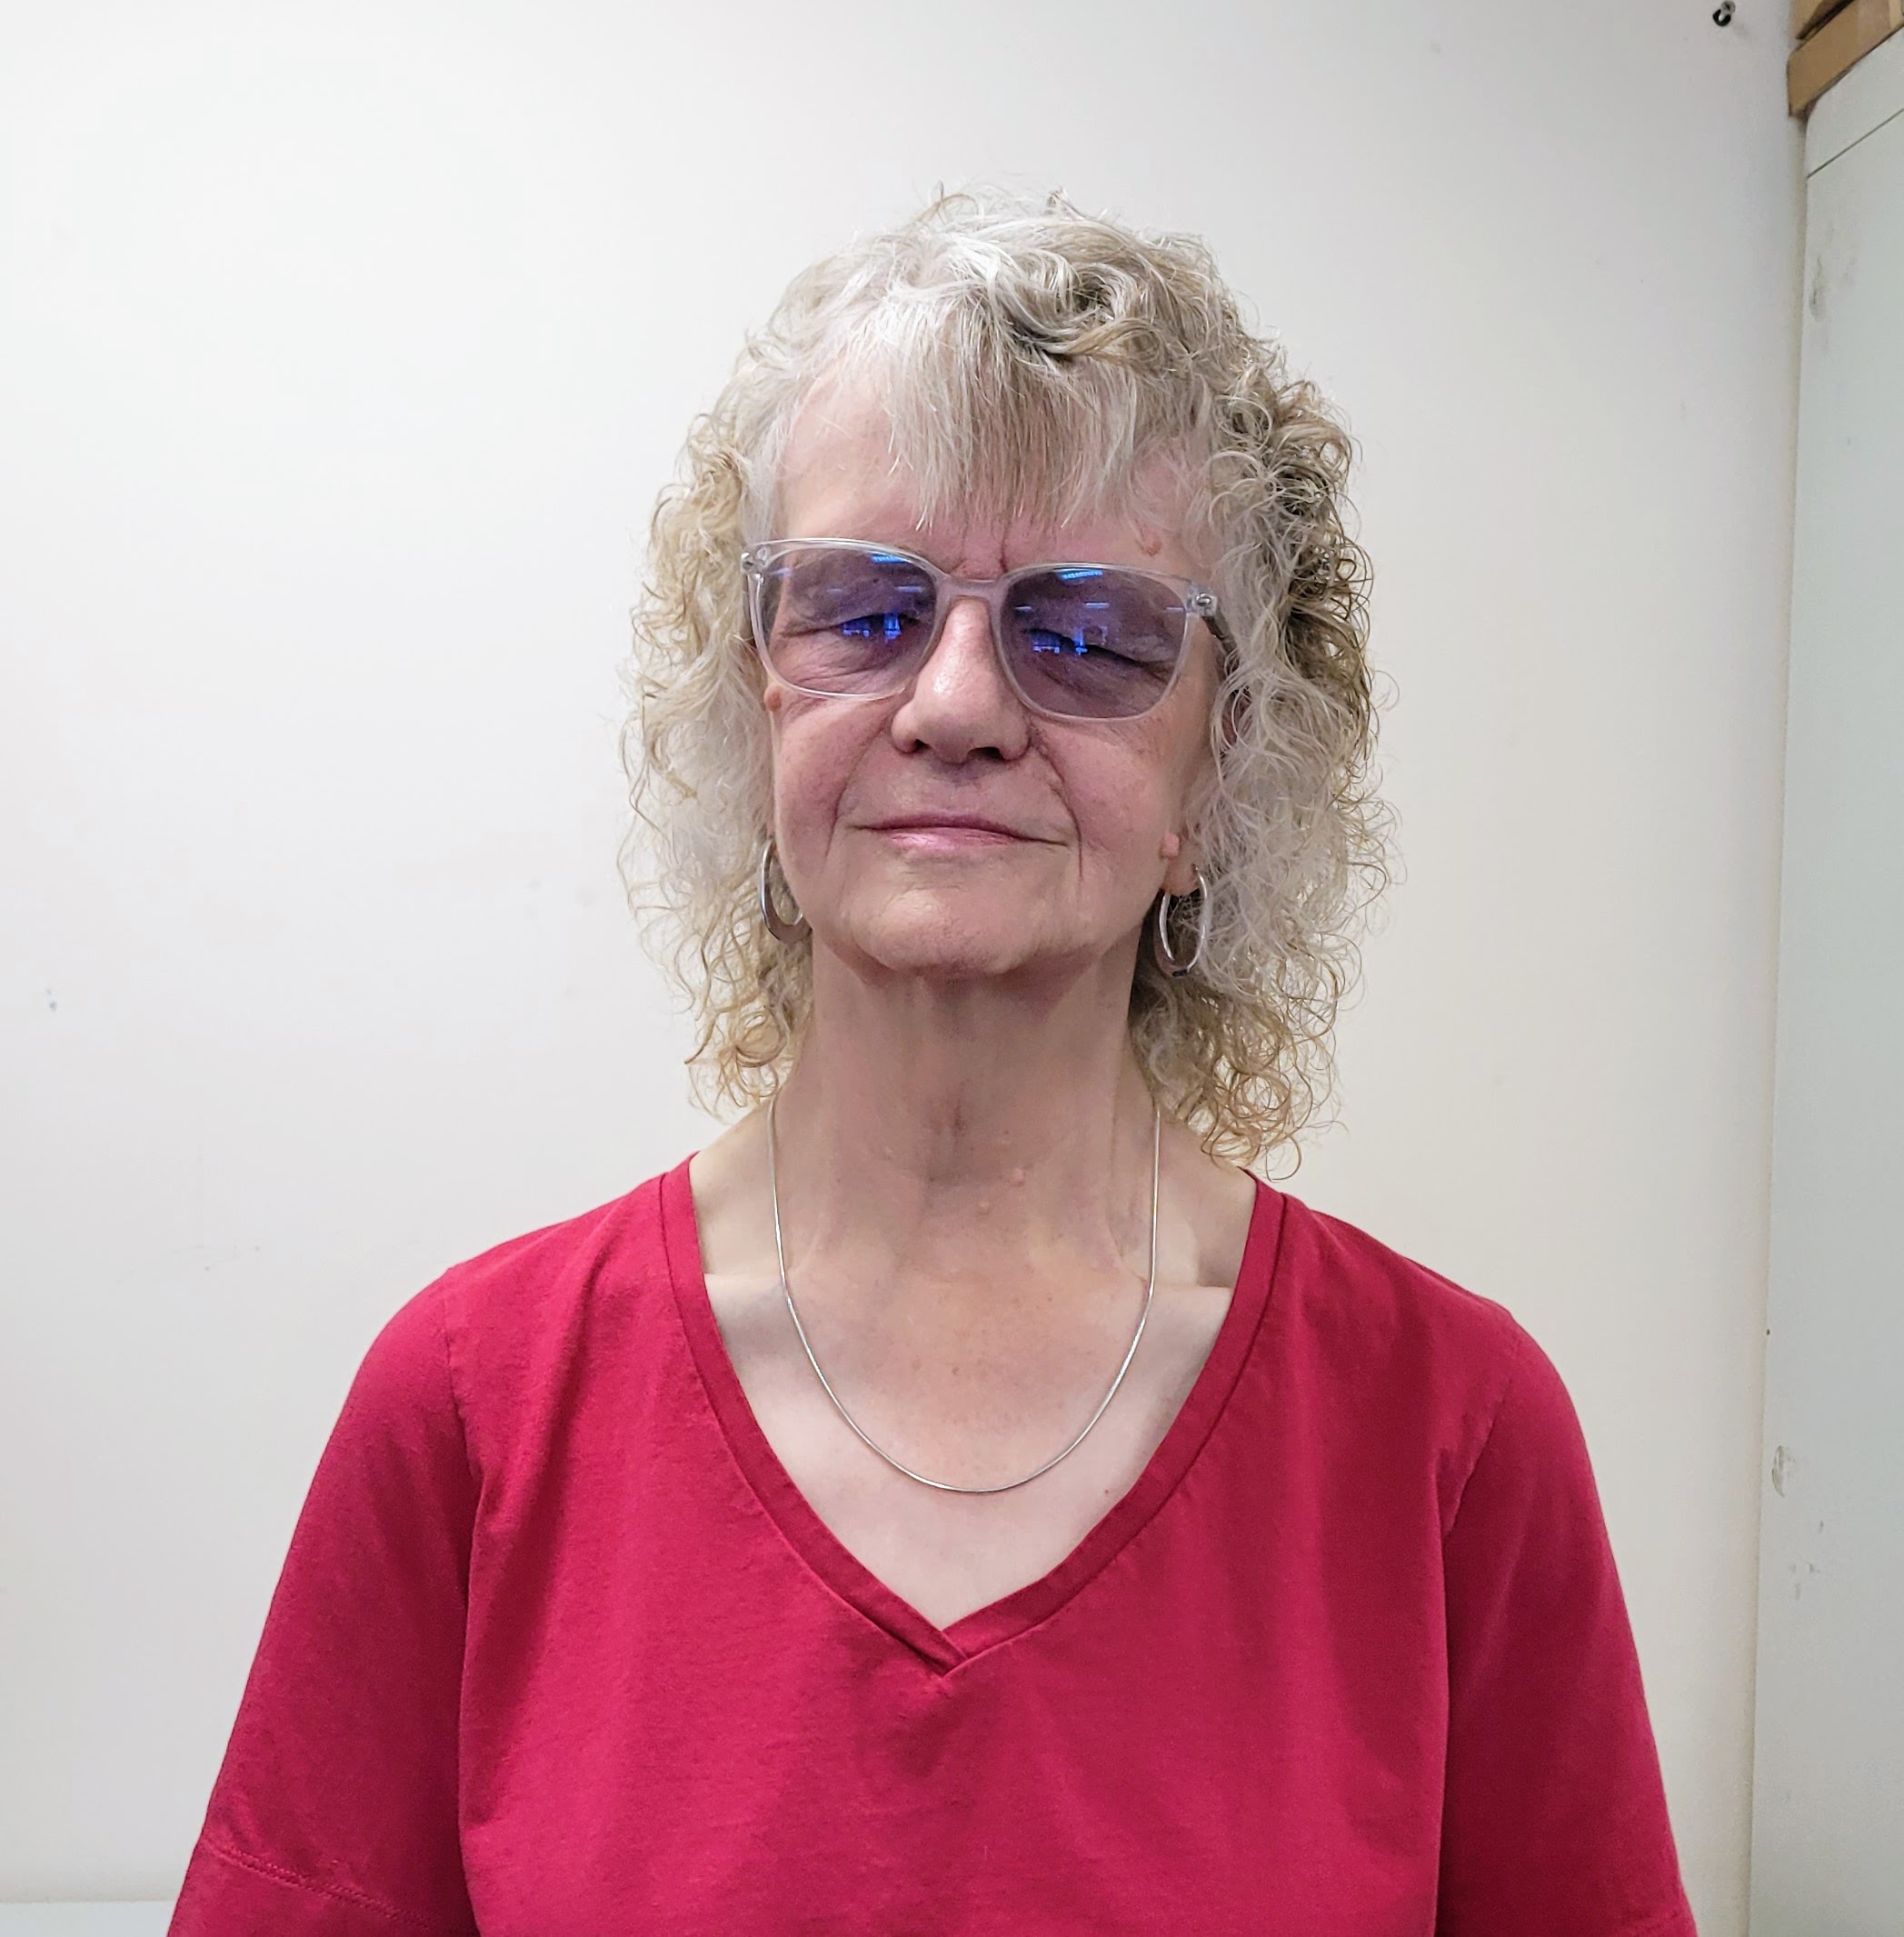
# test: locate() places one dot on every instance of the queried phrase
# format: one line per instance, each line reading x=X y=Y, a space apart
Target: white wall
x=342 y=351
x=1829 y=1791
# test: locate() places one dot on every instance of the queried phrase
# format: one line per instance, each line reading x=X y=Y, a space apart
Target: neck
x=937 y=1125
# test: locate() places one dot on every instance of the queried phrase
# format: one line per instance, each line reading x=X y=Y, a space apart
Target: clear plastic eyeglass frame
x=1197 y=602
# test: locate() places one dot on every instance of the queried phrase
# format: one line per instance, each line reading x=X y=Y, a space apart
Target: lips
x=951 y=824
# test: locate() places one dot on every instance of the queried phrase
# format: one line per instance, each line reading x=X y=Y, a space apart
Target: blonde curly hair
x=1034 y=358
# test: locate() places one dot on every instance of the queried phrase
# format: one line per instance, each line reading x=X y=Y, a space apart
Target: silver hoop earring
x=778 y=925
x=1161 y=940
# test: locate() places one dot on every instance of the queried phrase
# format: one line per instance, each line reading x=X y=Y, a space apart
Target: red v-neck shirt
x=560 y=1650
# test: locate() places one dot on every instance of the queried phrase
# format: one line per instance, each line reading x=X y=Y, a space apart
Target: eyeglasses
x=846 y=620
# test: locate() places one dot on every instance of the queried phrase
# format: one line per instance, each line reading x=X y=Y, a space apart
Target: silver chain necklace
x=946 y=1487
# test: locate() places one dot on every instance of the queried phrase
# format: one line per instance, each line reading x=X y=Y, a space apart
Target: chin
x=936 y=937
x=942 y=958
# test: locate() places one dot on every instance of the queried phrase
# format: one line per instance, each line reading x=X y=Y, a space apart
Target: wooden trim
x=1807 y=15
x=1840 y=43
x=1856 y=106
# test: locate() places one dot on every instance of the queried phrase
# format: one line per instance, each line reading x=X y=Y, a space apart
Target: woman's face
x=873 y=800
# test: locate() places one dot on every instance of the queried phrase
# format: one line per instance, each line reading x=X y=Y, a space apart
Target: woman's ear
x=1180 y=874
x=1186 y=847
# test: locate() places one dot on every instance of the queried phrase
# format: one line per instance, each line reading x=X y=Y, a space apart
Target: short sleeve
x=335 y=1813
x=1554 y=1817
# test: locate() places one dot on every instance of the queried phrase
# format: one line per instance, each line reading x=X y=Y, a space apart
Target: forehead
x=841 y=477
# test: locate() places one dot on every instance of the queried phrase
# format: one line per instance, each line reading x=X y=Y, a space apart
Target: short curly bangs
x=1035 y=361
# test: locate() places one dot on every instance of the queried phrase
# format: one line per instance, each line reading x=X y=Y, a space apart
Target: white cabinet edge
x=1862 y=99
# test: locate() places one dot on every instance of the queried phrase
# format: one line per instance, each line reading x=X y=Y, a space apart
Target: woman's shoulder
x=622 y=1238
x=1372 y=1312
x=517 y=1310
x=1341 y=1268
x=1371 y=1333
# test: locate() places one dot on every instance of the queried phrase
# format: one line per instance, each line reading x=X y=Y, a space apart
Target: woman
x=961 y=1498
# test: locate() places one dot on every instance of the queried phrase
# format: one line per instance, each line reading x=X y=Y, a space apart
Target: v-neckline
x=999 y=1621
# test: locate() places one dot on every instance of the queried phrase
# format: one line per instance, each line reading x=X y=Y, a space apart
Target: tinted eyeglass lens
x=1092 y=641
x=836 y=619
x=1088 y=641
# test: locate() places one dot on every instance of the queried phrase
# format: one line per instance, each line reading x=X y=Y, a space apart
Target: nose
x=959 y=704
